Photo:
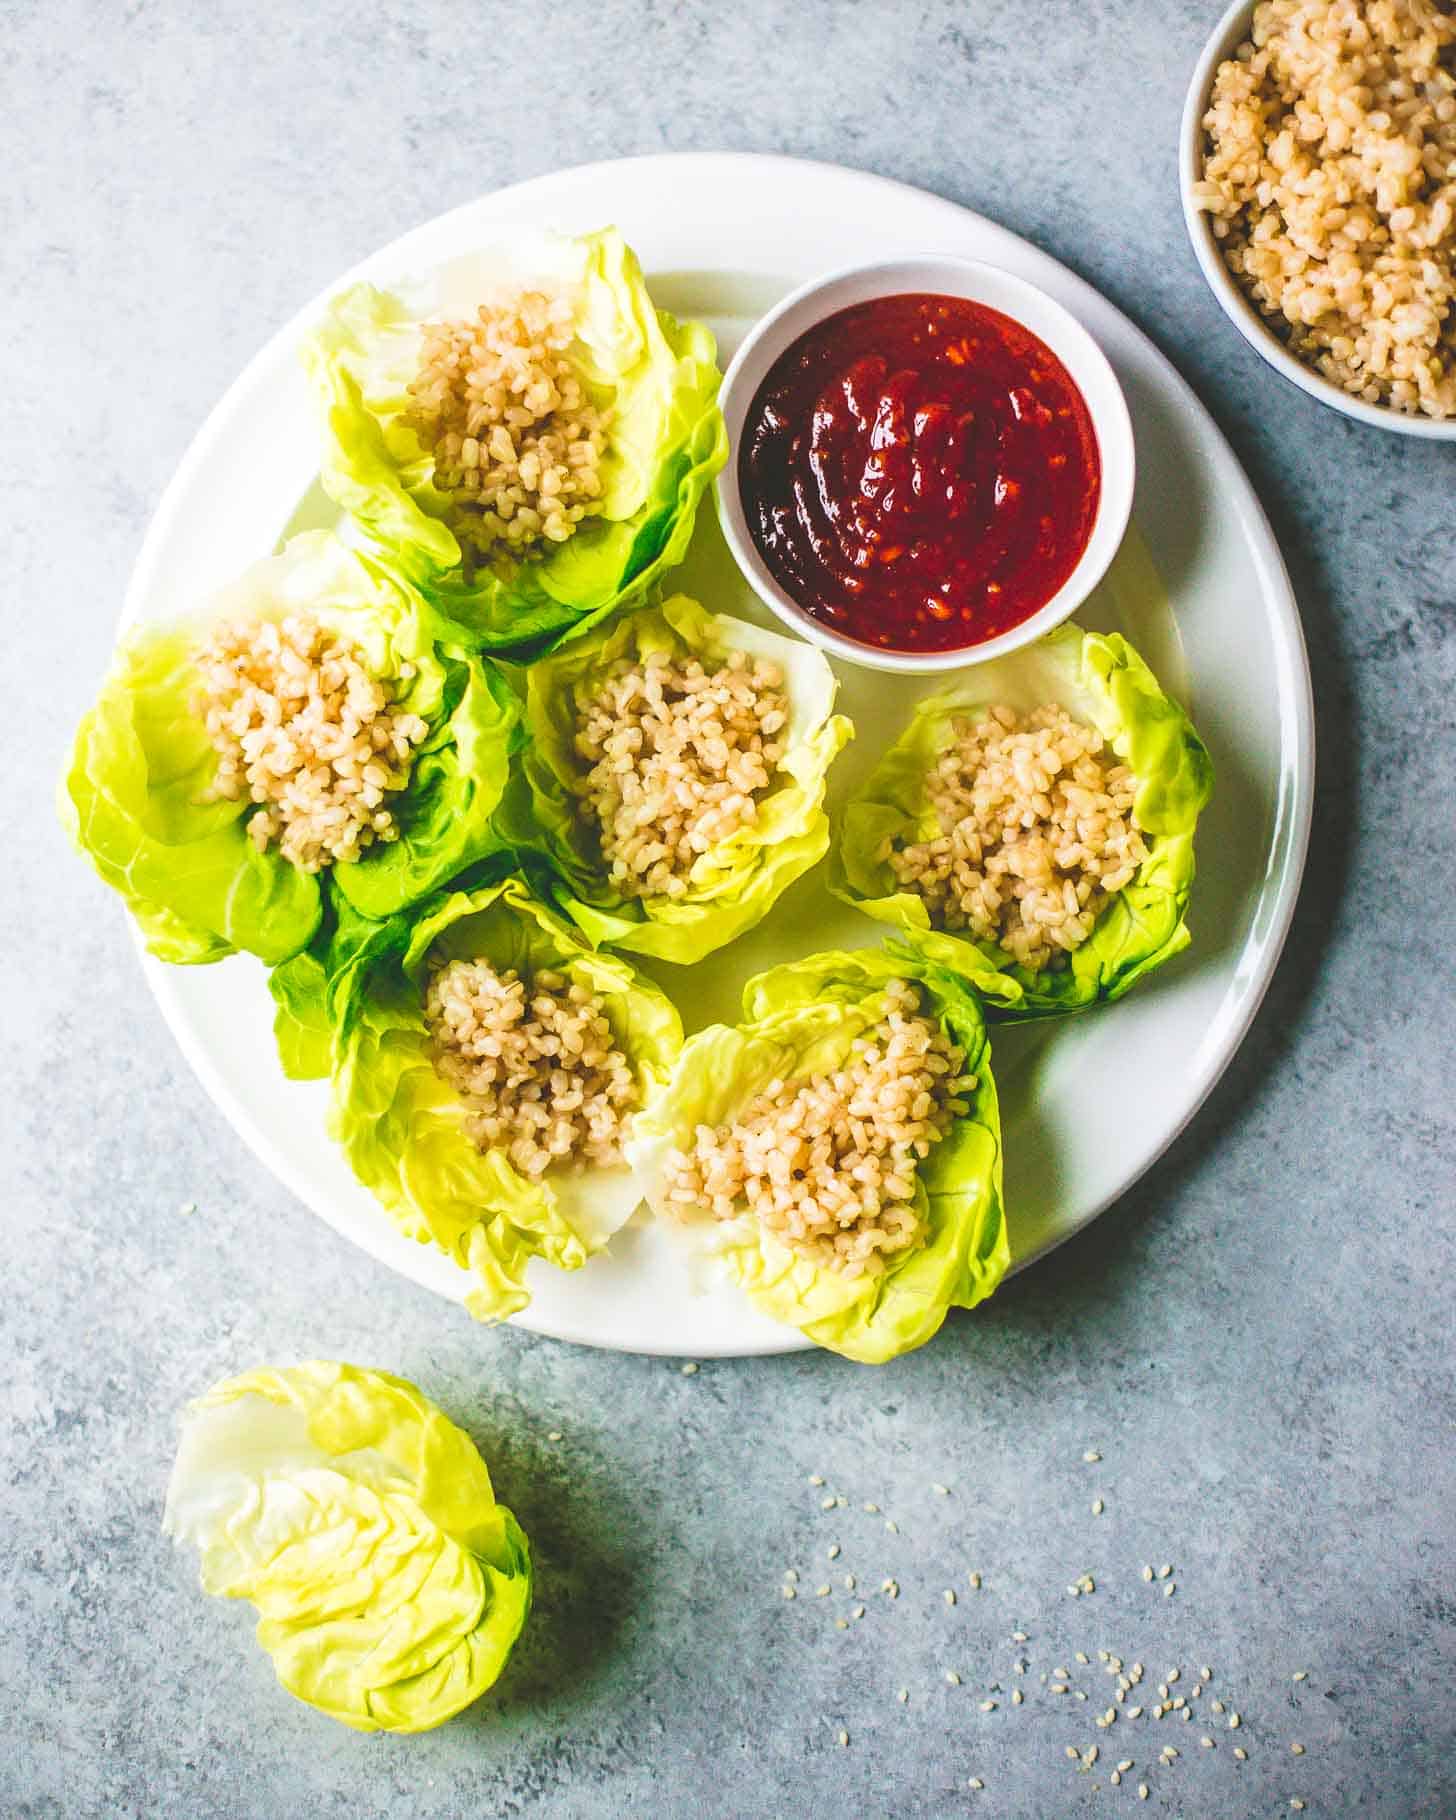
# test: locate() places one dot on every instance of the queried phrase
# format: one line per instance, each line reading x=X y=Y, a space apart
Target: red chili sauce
x=919 y=472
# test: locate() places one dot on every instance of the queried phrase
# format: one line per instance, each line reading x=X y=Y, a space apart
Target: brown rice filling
x=827 y=1164
x=679 y=757
x=536 y=1064
x=516 y=440
x=1037 y=832
x=303 y=729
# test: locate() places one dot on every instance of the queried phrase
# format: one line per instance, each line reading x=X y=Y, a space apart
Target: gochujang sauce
x=919 y=472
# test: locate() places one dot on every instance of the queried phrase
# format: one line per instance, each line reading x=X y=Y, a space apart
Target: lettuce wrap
x=135 y=793
x=402 y=1126
x=390 y=1586
x=1100 y=680
x=736 y=882
x=657 y=379
x=802 y=1020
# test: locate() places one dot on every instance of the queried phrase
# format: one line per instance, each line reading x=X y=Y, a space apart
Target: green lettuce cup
x=735 y=880
x=592 y=360
x=407 y=1129
x=802 y=1023
x=203 y=876
x=1100 y=682
x=361 y=1523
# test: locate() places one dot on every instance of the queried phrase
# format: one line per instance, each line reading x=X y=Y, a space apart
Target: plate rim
x=1289 y=836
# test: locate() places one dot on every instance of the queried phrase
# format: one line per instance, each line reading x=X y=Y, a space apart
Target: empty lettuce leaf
x=135 y=795
x=1100 y=680
x=737 y=880
x=390 y=1586
x=802 y=1020
x=402 y=1125
x=655 y=379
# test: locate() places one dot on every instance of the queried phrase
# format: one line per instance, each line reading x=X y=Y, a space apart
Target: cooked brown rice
x=537 y=1065
x=1330 y=176
x=516 y=440
x=679 y=757
x=827 y=1164
x=302 y=728
x=1037 y=832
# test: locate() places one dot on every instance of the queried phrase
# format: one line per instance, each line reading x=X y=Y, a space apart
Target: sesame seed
x=1090 y=1755
x=844 y=1737
x=1125 y=1765
x=816 y=1478
x=1134 y=1712
x=1234 y=1722
x=975 y=1782
x=821 y=1592
x=1018 y=1636
x=1163 y=1690
x=1147 y=1573
x=1058 y=1687
x=941 y=1491
x=555 y=1435
x=1296 y=1804
x=1303 y=1675
x=689 y=1369
x=1115 y=1778
x=1061 y=1674
x=1097 y=1507
x=892 y=1526
x=1298 y=1749
x=1081 y=1656
x=849 y=1582
x=975 y=1580
x=841 y=1623
x=826 y=1504
x=1016 y=1696
x=1157 y=1712
x=841 y=1503
x=1079 y=1695
x=1207 y=1673
x=789 y=1593
x=188 y=1207
x=832 y=1551
x=1218 y=1706
x=903 y=1695
x=791 y=1573
x=1207 y=1743
x=1091 y=1456
x=1170 y=1751
x=873 y=1509
x=1142 y=1791
x=858 y=1612
x=948 y=1596
x=1164 y=1571
x=1179 y=1703
x=988 y=1706
x=1074 y=1753
x=1170 y=1589
x=1241 y=1753
x=952 y=1677
x=1173 y=1674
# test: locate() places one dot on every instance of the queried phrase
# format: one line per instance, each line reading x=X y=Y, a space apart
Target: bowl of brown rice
x=1318 y=175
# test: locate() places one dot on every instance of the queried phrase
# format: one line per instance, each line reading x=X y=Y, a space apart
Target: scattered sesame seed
x=1087 y=1583
x=1296 y=1804
x=789 y=1593
x=841 y=1623
x=1207 y=1673
x=941 y=1491
x=791 y=1573
x=1074 y=1592
x=555 y=1435
x=1303 y=1675
x=1016 y=1696
x=826 y=1504
x=1241 y=1753
x=975 y=1580
x=1134 y=1712
x=1234 y=1722
x=1170 y=1589
x=1142 y=1791
x=832 y=1552
x=841 y=1503
x=1164 y=1571
x=1179 y=1703
x=1218 y=1706
x=1298 y=1749
x=1115 y=1778
x=844 y=1737
x=976 y=1783
x=689 y=1369
x=816 y=1478
x=1082 y=1657
x=1018 y=1636
x=873 y=1509
x=1207 y=1743
x=1074 y=1753
x=1090 y=1754
x=903 y=1695
x=1061 y=1674
x=1058 y=1687
x=188 y=1207
x=849 y=1582
x=1125 y=1765
x=1173 y=1674
x=857 y=1612
x=1097 y=1507
x=1163 y=1690
x=1147 y=1573
x=892 y=1526
x=952 y=1677
x=988 y=1706
x=894 y=1589
x=821 y=1592
x=1158 y=1712
x=1091 y=1456
x=948 y=1596
x=1170 y=1751
x=1078 y=1694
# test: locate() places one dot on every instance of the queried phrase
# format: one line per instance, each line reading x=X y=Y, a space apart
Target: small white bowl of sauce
x=931 y=463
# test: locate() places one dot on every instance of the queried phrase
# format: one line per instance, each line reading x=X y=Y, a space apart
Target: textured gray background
x=1258 y=1340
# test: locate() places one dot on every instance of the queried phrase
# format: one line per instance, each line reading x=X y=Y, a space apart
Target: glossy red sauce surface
x=919 y=472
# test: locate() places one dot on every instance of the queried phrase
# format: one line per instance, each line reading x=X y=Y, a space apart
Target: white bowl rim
x=1230 y=32
x=1111 y=422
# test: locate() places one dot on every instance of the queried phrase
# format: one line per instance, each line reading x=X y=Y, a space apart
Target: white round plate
x=1088 y=1104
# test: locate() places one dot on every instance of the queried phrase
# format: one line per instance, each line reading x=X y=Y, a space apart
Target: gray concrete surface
x=1258 y=1341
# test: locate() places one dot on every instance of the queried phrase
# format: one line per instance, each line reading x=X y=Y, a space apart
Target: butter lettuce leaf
x=802 y=1020
x=402 y=1127
x=736 y=882
x=134 y=793
x=390 y=1585
x=1100 y=680
x=656 y=378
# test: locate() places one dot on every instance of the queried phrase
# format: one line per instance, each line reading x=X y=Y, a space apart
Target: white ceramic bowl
x=1228 y=34
x=997 y=290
